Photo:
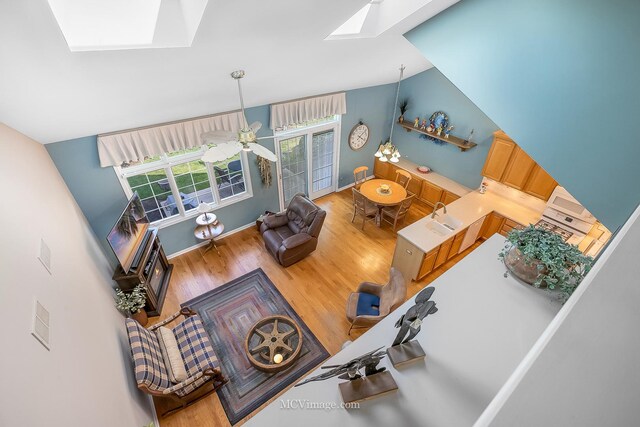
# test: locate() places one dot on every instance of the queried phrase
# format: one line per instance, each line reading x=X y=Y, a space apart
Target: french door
x=308 y=162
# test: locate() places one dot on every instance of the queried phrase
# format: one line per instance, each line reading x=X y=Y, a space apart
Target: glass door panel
x=322 y=163
x=293 y=167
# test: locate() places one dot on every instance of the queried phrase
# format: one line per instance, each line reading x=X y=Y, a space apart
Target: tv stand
x=153 y=271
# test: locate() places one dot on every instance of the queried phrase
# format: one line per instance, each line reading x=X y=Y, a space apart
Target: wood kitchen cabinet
x=443 y=253
x=415 y=186
x=448 y=197
x=457 y=242
x=492 y=224
x=380 y=169
x=511 y=165
x=430 y=193
x=540 y=183
x=428 y=262
x=518 y=170
x=498 y=157
x=509 y=225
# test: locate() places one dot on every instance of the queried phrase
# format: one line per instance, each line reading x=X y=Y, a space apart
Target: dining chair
x=362 y=206
x=403 y=178
x=398 y=212
x=360 y=176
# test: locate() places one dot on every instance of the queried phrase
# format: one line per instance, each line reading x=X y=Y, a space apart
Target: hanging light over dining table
x=388 y=152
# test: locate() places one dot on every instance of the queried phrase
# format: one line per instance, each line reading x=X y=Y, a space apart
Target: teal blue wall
x=428 y=92
x=372 y=105
x=561 y=78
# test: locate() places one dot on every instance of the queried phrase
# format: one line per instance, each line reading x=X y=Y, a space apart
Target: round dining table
x=371 y=190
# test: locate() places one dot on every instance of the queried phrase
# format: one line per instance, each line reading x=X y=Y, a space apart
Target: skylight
x=376 y=17
x=353 y=24
x=127 y=24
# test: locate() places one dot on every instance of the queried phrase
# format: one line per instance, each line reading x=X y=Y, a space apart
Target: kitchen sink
x=449 y=221
x=438 y=228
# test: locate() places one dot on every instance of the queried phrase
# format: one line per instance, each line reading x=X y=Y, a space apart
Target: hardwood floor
x=316 y=287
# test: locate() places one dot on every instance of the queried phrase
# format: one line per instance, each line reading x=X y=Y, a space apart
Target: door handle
x=409 y=252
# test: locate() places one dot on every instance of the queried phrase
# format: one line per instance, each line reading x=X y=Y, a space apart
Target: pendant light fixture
x=388 y=152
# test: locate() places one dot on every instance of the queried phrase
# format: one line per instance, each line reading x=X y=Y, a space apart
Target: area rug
x=228 y=312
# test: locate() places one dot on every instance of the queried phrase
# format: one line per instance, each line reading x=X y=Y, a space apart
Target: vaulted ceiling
x=52 y=94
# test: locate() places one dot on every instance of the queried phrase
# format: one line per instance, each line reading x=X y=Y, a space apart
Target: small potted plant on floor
x=542 y=258
x=133 y=304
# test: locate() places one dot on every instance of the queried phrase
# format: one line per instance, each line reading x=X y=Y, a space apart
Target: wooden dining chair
x=397 y=213
x=360 y=176
x=362 y=206
x=403 y=178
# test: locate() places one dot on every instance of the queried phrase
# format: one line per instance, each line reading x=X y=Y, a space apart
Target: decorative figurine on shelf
x=404 y=350
x=416 y=122
x=439 y=130
x=379 y=380
x=431 y=127
x=448 y=131
x=423 y=125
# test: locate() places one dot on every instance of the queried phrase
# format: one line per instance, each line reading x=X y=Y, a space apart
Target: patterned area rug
x=228 y=312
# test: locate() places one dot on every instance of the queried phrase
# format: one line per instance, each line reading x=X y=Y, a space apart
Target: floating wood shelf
x=453 y=140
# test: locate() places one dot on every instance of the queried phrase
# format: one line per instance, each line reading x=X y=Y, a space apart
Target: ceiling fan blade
x=222 y=151
x=262 y=151
x=255 y=126
x=216 y=136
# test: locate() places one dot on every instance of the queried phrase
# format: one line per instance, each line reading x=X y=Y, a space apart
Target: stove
x=564 y=233
x=566 y=217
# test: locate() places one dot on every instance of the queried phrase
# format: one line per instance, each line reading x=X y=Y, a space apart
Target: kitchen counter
x=485 y=325
x=434 y=178
x=469 y=209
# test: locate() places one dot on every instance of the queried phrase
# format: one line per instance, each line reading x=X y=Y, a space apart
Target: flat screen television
x=126 y=236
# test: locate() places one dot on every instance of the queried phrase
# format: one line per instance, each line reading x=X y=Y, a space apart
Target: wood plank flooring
x=316 y=287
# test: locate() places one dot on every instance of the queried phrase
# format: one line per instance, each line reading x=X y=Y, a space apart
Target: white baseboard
x=205 y=243
x=352 y=184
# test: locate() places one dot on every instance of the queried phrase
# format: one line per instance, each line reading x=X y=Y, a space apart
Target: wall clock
x=359 y=136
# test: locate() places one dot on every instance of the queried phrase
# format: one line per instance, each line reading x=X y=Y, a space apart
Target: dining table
x=372 y=190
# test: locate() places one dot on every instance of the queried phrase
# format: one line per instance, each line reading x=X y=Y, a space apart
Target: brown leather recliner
x=293 y=234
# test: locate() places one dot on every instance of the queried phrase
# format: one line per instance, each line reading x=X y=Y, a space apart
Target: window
x=172 y=185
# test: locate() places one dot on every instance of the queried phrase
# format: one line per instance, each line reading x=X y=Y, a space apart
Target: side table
x=208 y=228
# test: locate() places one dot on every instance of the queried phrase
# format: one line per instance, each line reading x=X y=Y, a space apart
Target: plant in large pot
x=133 y=303
x=542 y=258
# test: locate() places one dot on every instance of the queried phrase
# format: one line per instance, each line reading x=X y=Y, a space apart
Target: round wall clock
x=358 y=136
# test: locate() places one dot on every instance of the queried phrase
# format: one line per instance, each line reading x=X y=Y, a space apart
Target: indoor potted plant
x=542 y=258
x=403 y=109
x=133 y=303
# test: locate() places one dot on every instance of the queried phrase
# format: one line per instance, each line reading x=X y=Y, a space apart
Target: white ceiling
x=52 y=94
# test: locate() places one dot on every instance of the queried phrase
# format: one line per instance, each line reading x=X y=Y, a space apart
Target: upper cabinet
x=518 y=169
x=509 y=164
x=540 y=183
x=498 y=157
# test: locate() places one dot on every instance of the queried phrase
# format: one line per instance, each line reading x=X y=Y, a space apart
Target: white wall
x=86 y=378
x=585 y=369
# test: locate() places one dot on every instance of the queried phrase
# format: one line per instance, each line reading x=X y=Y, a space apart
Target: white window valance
x=307 y=109
x=136 y=145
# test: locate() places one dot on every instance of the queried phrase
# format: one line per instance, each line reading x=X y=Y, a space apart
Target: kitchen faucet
x=435 y=208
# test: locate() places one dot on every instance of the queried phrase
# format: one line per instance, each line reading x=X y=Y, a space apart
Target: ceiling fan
x=228 y=144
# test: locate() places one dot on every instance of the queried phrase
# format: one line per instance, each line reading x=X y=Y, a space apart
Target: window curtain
x=136 y=145
x=306 y=109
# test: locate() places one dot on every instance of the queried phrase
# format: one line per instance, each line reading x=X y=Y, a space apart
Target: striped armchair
x=193 y=349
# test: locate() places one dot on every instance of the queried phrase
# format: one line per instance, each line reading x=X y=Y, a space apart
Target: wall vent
x=41 y=330
x=45 y=255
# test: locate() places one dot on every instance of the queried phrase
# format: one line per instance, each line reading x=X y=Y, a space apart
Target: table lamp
x=204 y=208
